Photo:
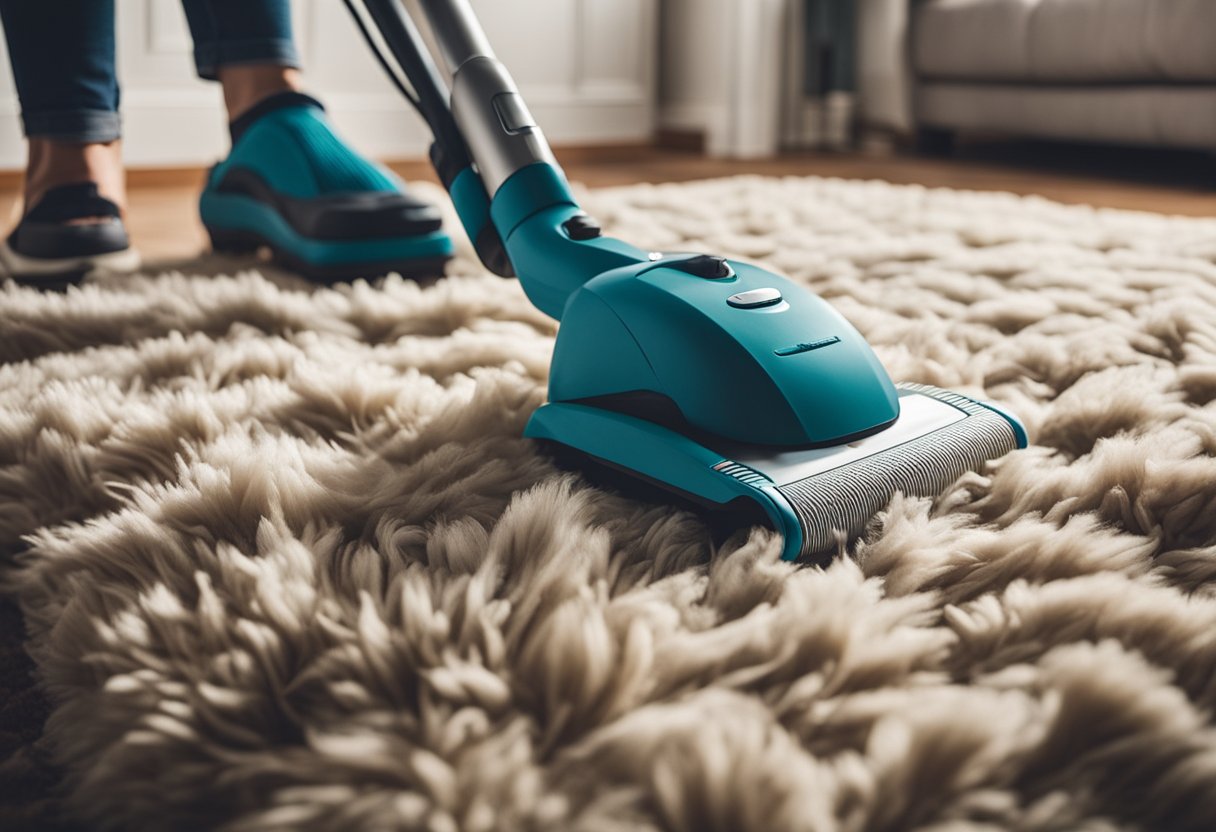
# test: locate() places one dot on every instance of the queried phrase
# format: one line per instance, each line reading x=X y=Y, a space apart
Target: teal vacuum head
x=718 y=381
x=736 y=388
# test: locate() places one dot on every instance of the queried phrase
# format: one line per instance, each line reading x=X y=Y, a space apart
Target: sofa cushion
x=1065 y=41
x=1171 y=115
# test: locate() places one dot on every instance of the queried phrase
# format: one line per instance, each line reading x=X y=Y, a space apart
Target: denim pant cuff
x=82 y=126
x=209 y=57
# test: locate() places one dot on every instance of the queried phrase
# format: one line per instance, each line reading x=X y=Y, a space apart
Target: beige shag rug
x=288 y=564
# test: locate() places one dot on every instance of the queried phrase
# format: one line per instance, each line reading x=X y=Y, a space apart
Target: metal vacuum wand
x=500 y=132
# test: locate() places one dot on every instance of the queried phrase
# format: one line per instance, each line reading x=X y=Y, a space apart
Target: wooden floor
x=164 y=223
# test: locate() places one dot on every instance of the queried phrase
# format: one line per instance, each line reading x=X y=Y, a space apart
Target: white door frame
x=755 y=46
x=724 y=62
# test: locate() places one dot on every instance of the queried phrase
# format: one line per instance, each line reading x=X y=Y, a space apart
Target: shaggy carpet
x=284 y=560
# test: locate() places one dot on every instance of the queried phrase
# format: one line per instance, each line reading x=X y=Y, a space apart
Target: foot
x=73 y=223
x=55 y=163
x=292 y=185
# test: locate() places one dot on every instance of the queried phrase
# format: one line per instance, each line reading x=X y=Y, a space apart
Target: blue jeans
x=62 y=53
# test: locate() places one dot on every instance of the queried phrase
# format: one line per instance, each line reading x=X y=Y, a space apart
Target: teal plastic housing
x=659 y=329
x=528 y=212
x=636 y=323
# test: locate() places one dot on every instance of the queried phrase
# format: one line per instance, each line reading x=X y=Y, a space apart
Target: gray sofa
x=1124 y=71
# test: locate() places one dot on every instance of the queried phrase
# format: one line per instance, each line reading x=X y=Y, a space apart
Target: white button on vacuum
x=754 y=298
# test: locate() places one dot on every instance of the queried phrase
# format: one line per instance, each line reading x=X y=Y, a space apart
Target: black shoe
x=47 y=246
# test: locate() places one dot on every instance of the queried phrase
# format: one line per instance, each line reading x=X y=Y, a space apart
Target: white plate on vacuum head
x=918 y=415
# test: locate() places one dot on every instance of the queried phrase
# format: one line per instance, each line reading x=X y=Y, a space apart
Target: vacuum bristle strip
x=845 y=498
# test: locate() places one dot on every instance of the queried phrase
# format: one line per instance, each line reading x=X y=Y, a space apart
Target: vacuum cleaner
x=716 y=380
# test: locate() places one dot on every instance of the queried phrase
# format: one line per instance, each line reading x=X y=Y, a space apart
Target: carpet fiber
x=285 y=562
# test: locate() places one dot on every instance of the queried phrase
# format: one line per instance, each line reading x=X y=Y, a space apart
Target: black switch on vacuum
x=582 y=227
x=705 y=265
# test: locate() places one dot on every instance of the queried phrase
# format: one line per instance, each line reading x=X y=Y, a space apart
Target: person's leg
x=62 y=56
x=290 y=183
x=246 y=45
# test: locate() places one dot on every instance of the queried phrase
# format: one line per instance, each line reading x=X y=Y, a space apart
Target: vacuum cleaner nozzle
x=734 y=386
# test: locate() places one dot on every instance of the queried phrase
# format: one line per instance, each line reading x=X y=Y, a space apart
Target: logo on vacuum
x=808 y=346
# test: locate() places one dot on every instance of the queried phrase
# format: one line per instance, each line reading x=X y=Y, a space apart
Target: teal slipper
x=291 y=185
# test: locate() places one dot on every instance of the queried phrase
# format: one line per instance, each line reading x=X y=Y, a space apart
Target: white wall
x=587 y=68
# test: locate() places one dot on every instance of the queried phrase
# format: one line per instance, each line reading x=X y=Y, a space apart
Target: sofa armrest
x=884 y=69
